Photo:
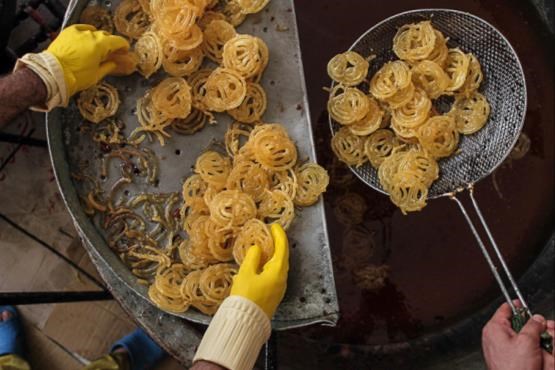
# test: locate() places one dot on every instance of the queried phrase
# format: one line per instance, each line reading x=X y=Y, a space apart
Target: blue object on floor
x=11 y=333
x=143 y=351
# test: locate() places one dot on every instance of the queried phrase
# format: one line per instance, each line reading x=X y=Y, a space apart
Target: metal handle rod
x=486 y=254
x=497 y=251
x=25 y=298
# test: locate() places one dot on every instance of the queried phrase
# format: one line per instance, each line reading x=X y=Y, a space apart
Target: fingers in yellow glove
x=82 y=27
x=279 y=263
x=251 y=262
x=82 y=52
x=105 y=69
x=264 y=287
x=126 y=62
x=110 y=43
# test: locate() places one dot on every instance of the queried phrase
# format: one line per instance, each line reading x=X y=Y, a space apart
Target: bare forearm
x=19 y=91
x=205 y=365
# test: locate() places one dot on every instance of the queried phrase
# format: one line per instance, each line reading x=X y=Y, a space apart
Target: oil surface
x=436 y=272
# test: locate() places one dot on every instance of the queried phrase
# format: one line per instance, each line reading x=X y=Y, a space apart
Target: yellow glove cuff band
x=235 y=335
x=47 y=67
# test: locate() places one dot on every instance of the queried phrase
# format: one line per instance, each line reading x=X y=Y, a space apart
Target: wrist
x=47 y=67
x=38 y=92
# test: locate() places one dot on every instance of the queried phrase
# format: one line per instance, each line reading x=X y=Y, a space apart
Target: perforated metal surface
x=504 y=87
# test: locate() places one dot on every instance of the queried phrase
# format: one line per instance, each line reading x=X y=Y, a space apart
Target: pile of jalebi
x=187 y=249
x=233 y=197
x=176 y=36
x=182 y=33
x=394 y=125
x=230 y=200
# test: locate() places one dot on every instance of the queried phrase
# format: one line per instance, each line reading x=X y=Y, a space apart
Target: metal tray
x=311 y=296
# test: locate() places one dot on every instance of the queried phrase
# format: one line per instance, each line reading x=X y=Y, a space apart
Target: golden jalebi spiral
x=181 y=63
x=197 y=81
x=439 y=136
x=470 y=113
x=130 y=19
x=215 y=282
x=164 y=291
x=392 y=78
x=193 y=188
x=431 y=78
x=312 y=181
x=273 y=152
x=277 y=207
x=406 y=190
x=225 y=90
x=247 y=55
x=473 y=78
x=347 y=105
x=235 y=137
x=412 y=114
x=348 y=69
x=254 y=232
x=98 y=102
x=208 y=17
x=173 y=97
x=216 y=34
x=250 y=178
x=190 y=289
x=348 y=147
x=194 y=122
x=220 y=241
x=439 y=54
x=418 y=163
x=414 y=42
x=151 y=119
x=186 y=39
x=253 y=106
x=402 y=97
x=173 y=16
x=213 y=168
x=285 y=181
x=371 y=122
x=191 y=211
x=232 y=12
x=149 y=51
x=379 y=146
x=232 y=208
x=457 y=65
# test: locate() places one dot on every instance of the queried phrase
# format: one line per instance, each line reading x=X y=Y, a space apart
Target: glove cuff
x=235 y=335
x=50 y=71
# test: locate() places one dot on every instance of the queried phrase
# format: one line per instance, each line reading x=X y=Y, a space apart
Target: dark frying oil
x=437 y=274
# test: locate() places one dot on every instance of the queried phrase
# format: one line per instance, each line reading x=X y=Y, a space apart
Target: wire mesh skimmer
x=480 y=153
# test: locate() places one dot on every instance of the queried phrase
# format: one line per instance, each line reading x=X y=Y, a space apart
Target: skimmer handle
x=518 y=313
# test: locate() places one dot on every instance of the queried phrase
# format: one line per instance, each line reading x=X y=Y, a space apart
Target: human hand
x=265 y=288
x=549 y=360
x=504 y=349
x=83 y=53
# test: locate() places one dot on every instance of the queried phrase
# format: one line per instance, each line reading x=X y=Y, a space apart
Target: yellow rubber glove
x=266 y=288
x=82 y=51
